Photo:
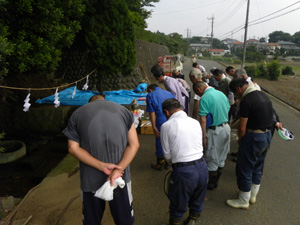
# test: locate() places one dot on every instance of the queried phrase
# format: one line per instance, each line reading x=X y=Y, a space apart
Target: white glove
x=106 y=192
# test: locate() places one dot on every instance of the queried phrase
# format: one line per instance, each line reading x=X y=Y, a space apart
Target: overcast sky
x=193 y=17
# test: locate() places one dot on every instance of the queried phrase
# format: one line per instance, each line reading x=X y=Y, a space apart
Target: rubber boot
x=175 y=221
x=242 y=202
x=192 y=219
x=211 y=180
x=219 y=173
x=159 y=165
x=254 y=191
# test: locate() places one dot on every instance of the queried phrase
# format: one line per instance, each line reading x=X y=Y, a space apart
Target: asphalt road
x=278 y=201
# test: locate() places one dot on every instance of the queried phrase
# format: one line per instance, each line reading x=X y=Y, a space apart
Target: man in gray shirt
x=102 y=136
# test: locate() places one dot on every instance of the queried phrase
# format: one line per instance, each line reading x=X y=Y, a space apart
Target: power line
x=252 y=22
x=188 y=9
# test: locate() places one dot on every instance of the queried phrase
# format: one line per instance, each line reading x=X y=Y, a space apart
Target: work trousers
x=188 y=185
x=250 y=159
x=120 y=207
x=218 y=146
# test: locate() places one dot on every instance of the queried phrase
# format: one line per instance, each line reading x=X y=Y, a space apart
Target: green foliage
x=37 y=31
x=288 y=70
x=279 y=36
x=6 y=49
x=137 y=11
x=261 y=70
x=108 y=34
x=173 y=41
x=273 y=70
x=251 y=71
x=252 y=55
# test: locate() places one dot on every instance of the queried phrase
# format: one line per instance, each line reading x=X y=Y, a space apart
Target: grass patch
x=67 y=165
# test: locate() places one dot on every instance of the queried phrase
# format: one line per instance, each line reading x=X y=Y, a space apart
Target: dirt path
x=287 y=88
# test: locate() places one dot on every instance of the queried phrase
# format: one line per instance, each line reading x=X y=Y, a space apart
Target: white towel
x=106 y=192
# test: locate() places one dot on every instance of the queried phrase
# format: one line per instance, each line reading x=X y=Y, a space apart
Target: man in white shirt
x=181 y=139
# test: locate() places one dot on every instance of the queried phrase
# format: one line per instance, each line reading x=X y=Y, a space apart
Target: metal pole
x=245 y=36
x=212 y=35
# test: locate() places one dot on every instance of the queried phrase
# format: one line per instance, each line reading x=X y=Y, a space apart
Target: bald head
x=96 y=97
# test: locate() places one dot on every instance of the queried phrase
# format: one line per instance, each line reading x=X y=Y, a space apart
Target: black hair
x=195 y=64
x=152 y=87
x=157 y=70
x=228 y=68
x=217 y=72
x=198 y=84
x=171 y=104
x=237 y=82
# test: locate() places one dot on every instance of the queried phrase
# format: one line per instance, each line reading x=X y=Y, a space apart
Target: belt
x=182 y=164
x=258 y=131
x=214 y=127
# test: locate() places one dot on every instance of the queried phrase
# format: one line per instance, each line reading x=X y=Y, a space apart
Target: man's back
x=183 y=135
x=257 y=107
x=101 y=128
x=216 y=103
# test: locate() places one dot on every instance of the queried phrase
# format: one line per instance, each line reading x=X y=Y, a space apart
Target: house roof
x=272 y=44
x=285 y=43
x=237 y=43
x=252 y=40
x=217 y=50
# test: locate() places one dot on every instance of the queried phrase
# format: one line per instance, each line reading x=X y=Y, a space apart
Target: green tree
x=279 y=36
x=273 y=70
x=138 y=13
x=296 y=38
x=262 y=40
x=6 y=49
x=38 y=30
x=107 y=32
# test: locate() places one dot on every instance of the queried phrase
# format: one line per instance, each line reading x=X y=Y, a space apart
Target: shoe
x=211 y=180
x=254 y=191
x=242 y=202
x=159 y=165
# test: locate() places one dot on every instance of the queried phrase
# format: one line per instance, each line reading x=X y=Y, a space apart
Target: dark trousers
x=250 y=159
x=188 y=188
x=120 y=207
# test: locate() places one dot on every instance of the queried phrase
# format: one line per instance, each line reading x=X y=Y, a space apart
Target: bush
x=288 y=70
x=251 y=71
x=261 y=70
x=273 y=70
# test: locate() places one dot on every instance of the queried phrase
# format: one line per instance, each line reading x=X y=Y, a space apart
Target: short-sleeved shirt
x=154 y=104
x=257 y=107
x=101 y=128
x=216 y=103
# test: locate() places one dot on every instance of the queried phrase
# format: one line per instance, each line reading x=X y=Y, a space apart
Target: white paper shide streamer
x=56 y=101
x=26 y=103
x=85 y=86
x=74 y=91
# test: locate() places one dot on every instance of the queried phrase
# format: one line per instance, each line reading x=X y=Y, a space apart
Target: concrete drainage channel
x=19 y=176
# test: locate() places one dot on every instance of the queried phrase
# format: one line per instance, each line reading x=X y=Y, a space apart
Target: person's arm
x=164 y=139
x=85 y=157
x=153 y=122
x=242 y=127
x=203 y=126
x=196 y=108
x=129 y=154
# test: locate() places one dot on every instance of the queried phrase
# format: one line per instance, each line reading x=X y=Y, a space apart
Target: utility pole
x=212 y=35
x=245 y=36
